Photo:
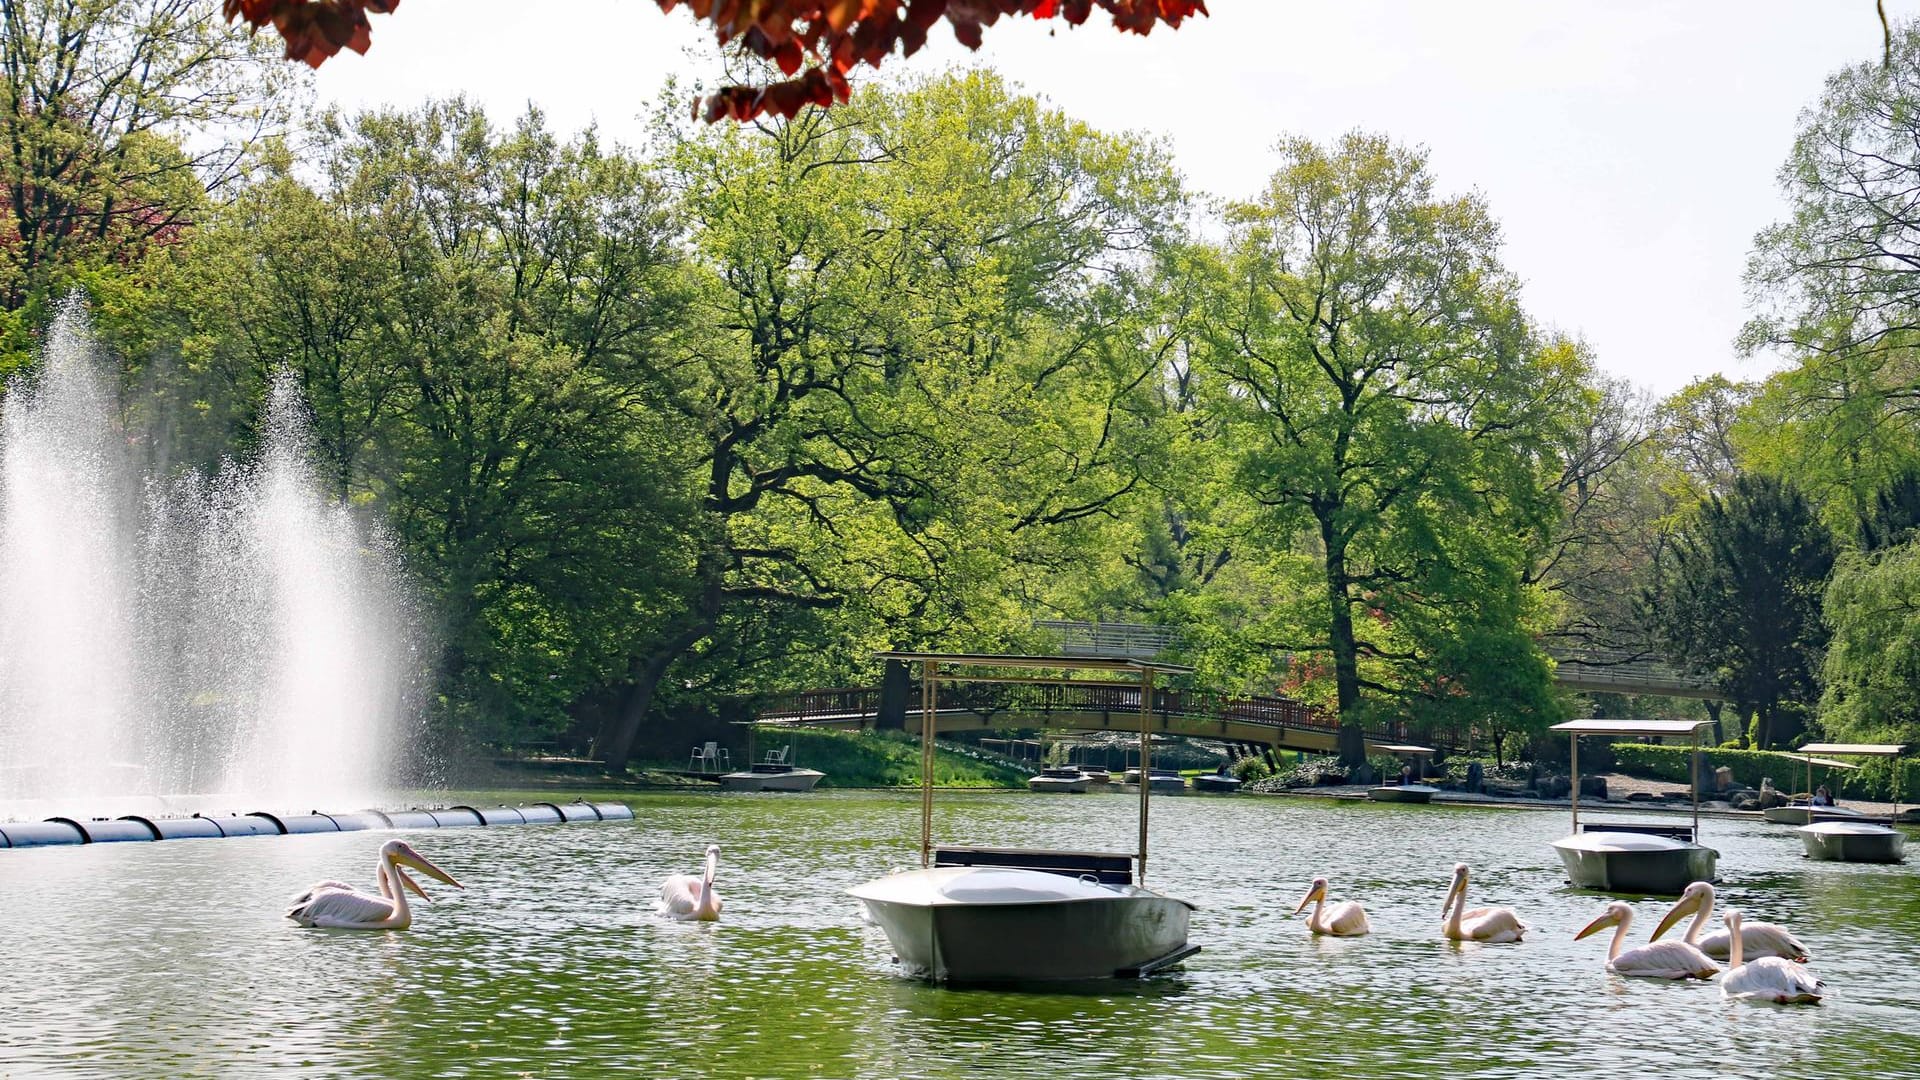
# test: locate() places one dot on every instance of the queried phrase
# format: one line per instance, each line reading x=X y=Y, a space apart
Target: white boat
x=1065 y=779
x=1839 y=835
x=1007 y=924
x=1610 y=855
x=1216 y=782
x=771 y=776
x=1405 y=793
x=1802 y=814
x=1096 y=775
x=1009 y=915
x=1853 y=841
x=1165 y=780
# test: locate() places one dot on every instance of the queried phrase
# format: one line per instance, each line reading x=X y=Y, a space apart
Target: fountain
x=234 y=641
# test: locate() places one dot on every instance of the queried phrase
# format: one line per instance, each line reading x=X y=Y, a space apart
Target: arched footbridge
x=1278 y=723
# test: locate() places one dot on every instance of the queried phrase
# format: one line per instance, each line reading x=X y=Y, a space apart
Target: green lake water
x=172 y=959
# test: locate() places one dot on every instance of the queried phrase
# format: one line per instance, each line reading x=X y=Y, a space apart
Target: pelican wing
x=679 y=896
x=318 y=886
x=1757 y=939
x=1496 y=925
x=343 y=909
x=1346 y=919
x=1772 y=979
x=1664 y=960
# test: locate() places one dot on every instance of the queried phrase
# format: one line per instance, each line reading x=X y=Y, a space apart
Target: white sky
x=1628 y=147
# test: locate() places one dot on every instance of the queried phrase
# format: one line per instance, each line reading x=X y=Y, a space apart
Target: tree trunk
x=1713 y=712
x=1346 y=663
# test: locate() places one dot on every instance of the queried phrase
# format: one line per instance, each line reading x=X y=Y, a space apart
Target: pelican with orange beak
x=1346 y=919
x=333 y=905
x=1655 y=959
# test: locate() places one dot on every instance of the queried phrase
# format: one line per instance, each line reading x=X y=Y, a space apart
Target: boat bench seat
x=1107 y=867
x=1645 y=828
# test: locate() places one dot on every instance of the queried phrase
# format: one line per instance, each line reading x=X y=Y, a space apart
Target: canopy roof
x=1393 y=748
x=1053 y=663
x=1631 y=727
x=1862 y=749
x=1823 y=762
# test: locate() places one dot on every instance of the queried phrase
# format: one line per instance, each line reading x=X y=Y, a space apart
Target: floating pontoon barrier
x=133 y=827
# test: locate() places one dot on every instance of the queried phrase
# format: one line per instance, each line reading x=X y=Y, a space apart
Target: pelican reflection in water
x=336 y=905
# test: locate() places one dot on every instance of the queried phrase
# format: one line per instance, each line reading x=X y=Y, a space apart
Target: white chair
x=712 y=754
x=777 y=757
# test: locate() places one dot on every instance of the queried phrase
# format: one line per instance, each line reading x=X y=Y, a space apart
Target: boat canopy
x=1825 y=763
x=1631 y=727
x=1392 y=748
x=1857 y=749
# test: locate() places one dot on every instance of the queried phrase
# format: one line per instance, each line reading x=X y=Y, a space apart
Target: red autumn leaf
x=832 y=34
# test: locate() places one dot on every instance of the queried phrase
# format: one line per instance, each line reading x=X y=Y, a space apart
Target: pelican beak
x=1686 y=906
x=1598 y=925
x=1312 y=894
x=411 y=885
x=410 y=857
x=1453 y=891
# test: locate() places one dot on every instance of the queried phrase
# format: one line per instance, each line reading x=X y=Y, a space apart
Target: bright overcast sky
x=1628 y=147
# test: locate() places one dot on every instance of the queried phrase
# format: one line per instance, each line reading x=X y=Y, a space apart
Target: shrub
x=1872 y=781
x=1252 y=767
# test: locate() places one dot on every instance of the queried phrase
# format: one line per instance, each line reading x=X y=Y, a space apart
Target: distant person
x=1406 y=775
x=1822 y=797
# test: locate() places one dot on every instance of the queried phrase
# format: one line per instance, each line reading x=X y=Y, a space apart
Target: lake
x=172 y=958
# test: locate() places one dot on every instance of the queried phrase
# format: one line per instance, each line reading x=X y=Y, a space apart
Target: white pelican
x=1655 y=959
x=690 y=898
x=333 y=905
x=1347 y=919
x=1756 y=938
x=1496 y=924
x=1768 y=978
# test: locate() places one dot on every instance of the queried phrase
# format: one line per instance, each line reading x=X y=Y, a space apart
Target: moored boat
x=1403 y=793
x=1802 y=814
x=1096 y=775
x=771 y=776
x=1660 y=859
x=1853 y=841
x=1166 y=780
x=992 y=915
x=1218 y=783
x=1062 y=779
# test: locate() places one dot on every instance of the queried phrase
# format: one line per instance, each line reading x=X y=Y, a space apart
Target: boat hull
x=1403 y=793
x=793 y=780
x=1602 y=861
x=1801 y=815
x=1056 y=784
x=1221 y=785
x=1853 y=841
x=1116 y=933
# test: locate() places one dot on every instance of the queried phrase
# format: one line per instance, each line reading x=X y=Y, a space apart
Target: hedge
x=1872 y=781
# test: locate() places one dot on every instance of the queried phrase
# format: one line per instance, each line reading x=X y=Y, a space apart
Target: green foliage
x=1252 y=767
x=1739 y=599
x=1874 y=780
x=1872 y=665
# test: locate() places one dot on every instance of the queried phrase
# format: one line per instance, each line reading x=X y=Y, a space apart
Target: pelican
x=1347 y=919
x=1496 y=925
x=333 y=905
x=1655 y=959
x=690 y=898
x=1757 y=938
x=1768 y=978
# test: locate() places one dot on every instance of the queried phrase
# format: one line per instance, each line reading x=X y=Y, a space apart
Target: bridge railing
x=1020 y=700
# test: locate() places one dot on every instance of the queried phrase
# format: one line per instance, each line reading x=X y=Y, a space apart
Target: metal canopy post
x=1693 y=778
x=1146 y=775
x=926 y=762
x=1574 y=767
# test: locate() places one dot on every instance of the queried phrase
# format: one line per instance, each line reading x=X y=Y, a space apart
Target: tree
x=472 y=315
x=830 y=35
x=1391 y=414
x=1737 y=598
x=119 y=117
x=920 y=378
x=1872 y=668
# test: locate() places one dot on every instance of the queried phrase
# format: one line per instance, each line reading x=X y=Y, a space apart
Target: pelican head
x=1316 y=891
x=1458 y=889
x=1693 y=898
x=1617 y=913
x=399 y=853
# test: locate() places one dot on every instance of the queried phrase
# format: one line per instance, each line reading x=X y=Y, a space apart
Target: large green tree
x=1738 y=598
x=1393 y=417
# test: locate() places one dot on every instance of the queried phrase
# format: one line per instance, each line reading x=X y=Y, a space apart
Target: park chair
x=712 y=754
